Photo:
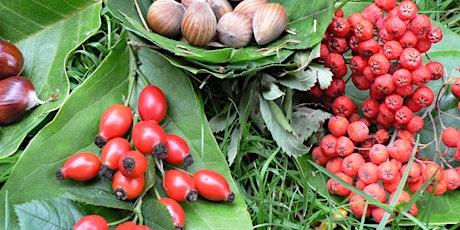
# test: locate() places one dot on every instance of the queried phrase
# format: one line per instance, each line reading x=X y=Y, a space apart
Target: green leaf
x=57 y=213
x=72 y=130
x=41 y=30
x=322 y=74
x=306 y=121
x=279 y=116
x=156 y=215
x=286 y=140
x=271 y=91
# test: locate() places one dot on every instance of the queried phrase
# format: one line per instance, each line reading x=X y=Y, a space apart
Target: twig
x=139 y=12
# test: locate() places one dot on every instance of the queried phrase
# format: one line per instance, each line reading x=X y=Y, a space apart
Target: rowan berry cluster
x=386 y=42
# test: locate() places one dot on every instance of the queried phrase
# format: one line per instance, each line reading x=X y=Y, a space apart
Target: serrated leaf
x=271 y=91
x=279 y=116
x=45 y=32
x=299 y=80
x=306 y=121
x=57 y=213
x=286 y=140
x=322 y=74
x=156 y=215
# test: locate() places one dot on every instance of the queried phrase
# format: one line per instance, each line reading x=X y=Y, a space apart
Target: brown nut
x=198 y=24
x=234 y=30
x=164 y=17
x=269 y=23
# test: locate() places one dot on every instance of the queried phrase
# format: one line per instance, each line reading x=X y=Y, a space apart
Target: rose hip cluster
x=386 y=41
x=126 y=165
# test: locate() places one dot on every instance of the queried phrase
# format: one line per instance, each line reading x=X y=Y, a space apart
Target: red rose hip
x=212 y=186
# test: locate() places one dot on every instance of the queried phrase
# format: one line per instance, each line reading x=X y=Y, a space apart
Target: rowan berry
x=407 y=10
x=359 y=184
x=368 y=74
x=376 y=191
x=455 y=88
x=386 y=112
x=315 y=91
x=385 y=4
x=451 y=177
x=355 y=17
x=353 y=44
x=360 y=82
x=323 y=52
x=403 y=115
x=370 y=107
x=412 y=104
x=423 y=96
x=363 y=30
x=392 y=49
x=404 y=90
x=415 y=124
x=379 y=64
x=408 y=39
x=402 y=77
x=334 y=165
x=393 y=101
x=420 y=75
x=344 y=146
x=336 y=88
x=420 y=24
x=336 y=63
x=337 y=188
x=450 y=137
x=339 y=13
x=384 y=84
x=368 y=173
x=358 y=206
x=391 y=186
x=415 y=187
x=372 y=13
x=343 y=106
x=437 y=71
x=434 y=34
x=339 y=27
x=423 y=45
x=381 y=136
x=378 y=213
x=403 y=197
x=387 y=171
x=437 y=188
x=337 y=45
x=400 y=150
x=318 y=156
x=410 y=58
x=358 y=131
x=351 y=164
x=415 y=172
x=369 y=47
x=431 y=169
x=384 y=36
x=327 y=145
x=337 y=125
x=395 y=26
x=357 y=64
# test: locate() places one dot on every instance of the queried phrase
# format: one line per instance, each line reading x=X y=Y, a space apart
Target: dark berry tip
x=230 y=198
x=100 y=141
x=129 y=164
x=178 y=227
x=106 y=172
x=192 y=196
x=188 y=160
x=59 y=174
x=121 y=194
x=160 y=151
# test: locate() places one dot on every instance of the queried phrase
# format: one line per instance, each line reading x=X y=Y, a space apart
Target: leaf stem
x=117 y=222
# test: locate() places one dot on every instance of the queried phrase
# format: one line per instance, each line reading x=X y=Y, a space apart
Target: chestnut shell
x=17 y=95
x=11 y=60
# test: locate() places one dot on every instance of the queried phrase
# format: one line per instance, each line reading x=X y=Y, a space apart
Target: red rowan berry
x=360 y=184
x=400 y=150
x=391 y=186
x=357 y=64
x=386 y=4
x=323 y=52
x=402 y=77
x=358 y=131
x=315 y=91
x=337 y=125
x=450 y=137
x=423 y=44
x=327 y=145
x=376 y=191
x=384 y=84
x=455 y=88
x=403 y=115
x=368 y=74
x=368 y=173
x=363 y=30
x=421 y=75
x=423 y=96
x=434 y=34
x=339 y=13
x=378 y=213
x=387 y=171
x=355 y=18
x=437 y=70
x=439 y=187
x=353 y=44
x=336 y=63
x=372 y=12
x=415 y=124
x=351 y=164
x=384 y=36
x=414 y=187
x=392 y=49
x=344 y=146
x=370 y=107
x=412 y=104
x=334 y=165
x=430 y=169
x=393 y=101
x=337 y=88
x=318 y=156
x=337 y=45
x=339 y=27
x=395 y=26
x=408 y=39
x=403 y=197
x=410 y=58
x=415 y=172
x=364 y=147
x=358 y=206
x=404 y=90
x=379 y=64
x=343 y=106
x=360 y=82
x=336 y=188
x=381 y=136
x=420 y=24
x=451 y=177
x=369 y=47
x=386 y=112
x=407 y=10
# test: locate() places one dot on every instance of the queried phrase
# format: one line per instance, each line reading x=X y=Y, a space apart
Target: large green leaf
x=307 y=19
x=45 y=32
